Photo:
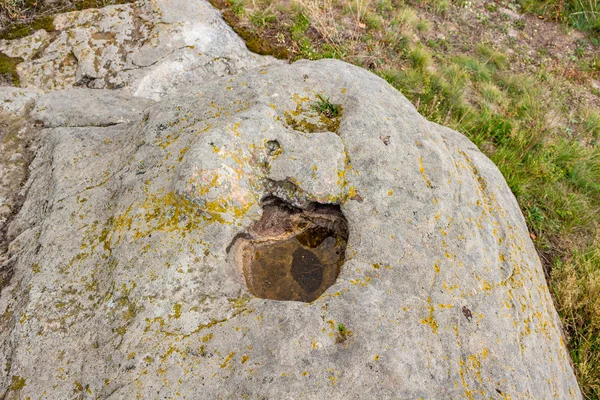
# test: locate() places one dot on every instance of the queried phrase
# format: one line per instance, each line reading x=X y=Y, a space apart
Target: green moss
x=21 y=30
x=8 y=68
x=258 y=45
x=17 y=383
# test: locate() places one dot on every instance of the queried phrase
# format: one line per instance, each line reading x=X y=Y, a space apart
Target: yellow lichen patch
x=149 y=322
x=436 y=266
x=376 y=357
x=17 y=383
x=245 y=358
x=167 y=212
x=35 y=267
x=177 y=310
x=468 y=392
x=360 y=282
x=422 y=170
x=299 y=99
x=490 y=203
x=182 y=153
x=332 y=378
x=227 y=360
x=207 y=338
x=239 y=303
x=430 y=320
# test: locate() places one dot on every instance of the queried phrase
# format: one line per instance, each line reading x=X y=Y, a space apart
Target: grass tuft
x=576 y=282
x=581 y=14
x=325 y=107
x=419 y=58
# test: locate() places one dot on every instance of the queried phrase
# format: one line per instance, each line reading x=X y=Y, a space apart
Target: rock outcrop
x=151 y=47
x=138 y=256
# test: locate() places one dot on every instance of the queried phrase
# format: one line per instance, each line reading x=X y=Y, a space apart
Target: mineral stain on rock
x=290 y=253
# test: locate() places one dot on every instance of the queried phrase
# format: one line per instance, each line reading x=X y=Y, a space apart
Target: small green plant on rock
x=325 y=107
x=342 y=333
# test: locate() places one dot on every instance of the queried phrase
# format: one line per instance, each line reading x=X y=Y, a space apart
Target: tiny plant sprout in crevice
x=292 y=253
x=325 y=107
x=321 y=115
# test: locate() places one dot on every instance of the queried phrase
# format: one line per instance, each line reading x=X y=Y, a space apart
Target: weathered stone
x=16 y=151
x=16 y=100
x=152 y=48
x=88 y=107
x=123 y=286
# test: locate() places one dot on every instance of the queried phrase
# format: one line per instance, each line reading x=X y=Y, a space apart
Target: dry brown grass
x=323 y=17
x=576 y=285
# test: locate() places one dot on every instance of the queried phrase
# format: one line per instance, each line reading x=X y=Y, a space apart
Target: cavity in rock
x=291 y=253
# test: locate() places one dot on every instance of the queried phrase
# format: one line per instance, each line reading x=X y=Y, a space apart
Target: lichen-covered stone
x=123 y=286
x=151 y=48
x=16 y=150
x=16 y=100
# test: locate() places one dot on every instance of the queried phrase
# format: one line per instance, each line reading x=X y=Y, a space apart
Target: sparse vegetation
x=325 y=107
x=21 y=17
x=580 y=14
x=342 y=333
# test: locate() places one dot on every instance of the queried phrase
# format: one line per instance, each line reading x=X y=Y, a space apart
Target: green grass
x=580 y=14
x=325 y=107
x=262 y=18
x=419 y=58
x=576 y=283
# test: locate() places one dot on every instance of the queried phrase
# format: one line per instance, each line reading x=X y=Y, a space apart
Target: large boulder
x=141 y=267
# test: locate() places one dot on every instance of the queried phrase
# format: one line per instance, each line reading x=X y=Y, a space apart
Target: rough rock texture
x=88 y=107
x=125 y=273
x=16 y=100
x=16 y=137
x=123 y=286
x=151 y=47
